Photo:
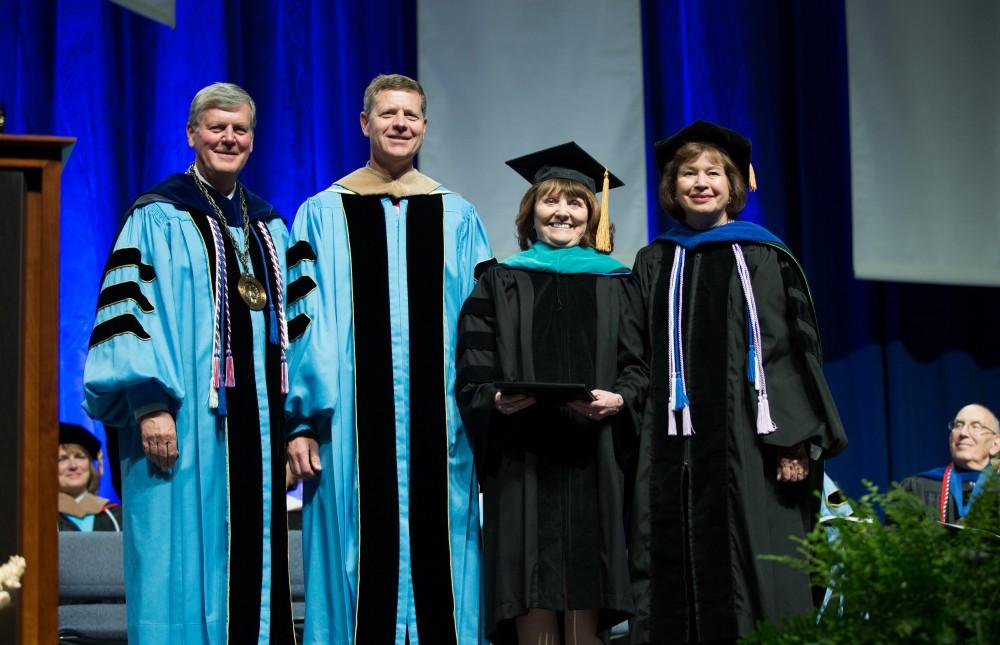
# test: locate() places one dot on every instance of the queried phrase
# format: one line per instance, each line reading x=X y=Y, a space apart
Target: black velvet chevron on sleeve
x=297 y=326
x=124 y=324
x=299 y=289
x=298 y=252
x=131 y=256
x=124 y=291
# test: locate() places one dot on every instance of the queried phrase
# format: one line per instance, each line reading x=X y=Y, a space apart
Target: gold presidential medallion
x=252 y=292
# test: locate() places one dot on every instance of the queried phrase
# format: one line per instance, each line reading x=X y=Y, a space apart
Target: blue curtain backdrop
x=901 y=358
x=122 y=85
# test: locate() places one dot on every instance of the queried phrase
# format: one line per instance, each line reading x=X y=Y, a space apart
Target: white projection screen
x=925 y=140
x=507 y=78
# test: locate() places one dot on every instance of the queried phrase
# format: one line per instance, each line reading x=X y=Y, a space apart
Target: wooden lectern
x=30 y=175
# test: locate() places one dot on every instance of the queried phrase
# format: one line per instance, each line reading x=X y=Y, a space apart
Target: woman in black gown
x=738 y=416
x=80 y=509
x=551 y=469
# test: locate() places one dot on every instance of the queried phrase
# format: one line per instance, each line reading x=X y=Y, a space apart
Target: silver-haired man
x=187 y=360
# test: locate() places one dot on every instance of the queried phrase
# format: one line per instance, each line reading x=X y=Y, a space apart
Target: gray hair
x=224 y=96
x=393 y=82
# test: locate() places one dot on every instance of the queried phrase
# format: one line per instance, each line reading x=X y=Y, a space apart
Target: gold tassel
x=603 y=243
x=753 y=180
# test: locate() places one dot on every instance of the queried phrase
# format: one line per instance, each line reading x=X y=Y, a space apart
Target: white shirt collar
x=199 y=176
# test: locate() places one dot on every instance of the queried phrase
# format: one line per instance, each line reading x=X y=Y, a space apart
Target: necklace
x=251 y=290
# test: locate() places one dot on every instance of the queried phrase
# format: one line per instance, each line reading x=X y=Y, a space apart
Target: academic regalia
x=88 y=512
x=378 y=271
x=206 y=542
x=941 y=487
x=707 y=504
x=553 y=481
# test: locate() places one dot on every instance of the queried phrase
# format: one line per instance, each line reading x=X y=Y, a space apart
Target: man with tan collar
x=974 y=442
x=379 y=266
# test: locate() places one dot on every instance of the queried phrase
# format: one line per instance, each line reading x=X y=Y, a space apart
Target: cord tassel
x=220 y=409
x=688 y=429
x=680 y=396
x=216 y=380
x=230 y=372
x=603 y=242
x=764 y=423
x=213 y=398
x=671 y=419
x=284 y=376
x=274 y=338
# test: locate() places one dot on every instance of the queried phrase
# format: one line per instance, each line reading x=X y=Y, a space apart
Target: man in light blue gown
x=187 y=361
x=379 y=266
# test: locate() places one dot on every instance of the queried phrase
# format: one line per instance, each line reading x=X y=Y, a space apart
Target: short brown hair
x=393 y=82
x=688 y=152
x=525 y=222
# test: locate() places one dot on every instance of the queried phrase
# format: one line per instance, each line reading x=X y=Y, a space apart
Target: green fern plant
x=907 y=579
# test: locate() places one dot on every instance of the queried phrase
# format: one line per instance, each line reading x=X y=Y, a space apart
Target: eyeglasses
x=975 y=427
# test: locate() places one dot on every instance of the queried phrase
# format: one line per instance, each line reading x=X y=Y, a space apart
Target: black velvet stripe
x=130 y=256
x=476 y=340
x=282 y=627
x=375 y=424
x=298 y=289
x=298 y=252
x=123 y=324
x=204 y=229
x=479 y=307
x=246 y=480
x=429 y=507
x=297 y=326
x=124 y=291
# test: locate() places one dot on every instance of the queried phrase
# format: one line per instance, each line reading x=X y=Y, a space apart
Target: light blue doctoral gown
x=326 y=295
x=176 y=533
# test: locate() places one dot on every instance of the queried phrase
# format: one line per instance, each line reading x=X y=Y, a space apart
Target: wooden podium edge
x=39 y=379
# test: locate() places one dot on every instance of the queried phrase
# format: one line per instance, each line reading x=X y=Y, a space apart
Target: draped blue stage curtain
x=901 y=358
x=122 y=85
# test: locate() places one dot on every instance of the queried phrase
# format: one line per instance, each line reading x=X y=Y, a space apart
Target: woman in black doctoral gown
x=723 y=364
x=551 y=469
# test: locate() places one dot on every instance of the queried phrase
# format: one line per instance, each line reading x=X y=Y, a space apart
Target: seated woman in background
x=79 y=508
x=550 y=465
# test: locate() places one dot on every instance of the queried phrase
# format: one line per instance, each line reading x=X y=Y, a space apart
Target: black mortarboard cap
x=566 y=161
x=72 y=433
x=731 y=142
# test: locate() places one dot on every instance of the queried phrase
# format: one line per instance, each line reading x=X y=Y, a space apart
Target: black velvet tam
x=731 y=142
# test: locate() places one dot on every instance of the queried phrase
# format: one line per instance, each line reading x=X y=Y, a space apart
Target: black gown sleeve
x=476 y=364
x=800 y=400
x=633 y=340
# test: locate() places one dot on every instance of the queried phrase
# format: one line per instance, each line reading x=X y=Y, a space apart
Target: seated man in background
x=974 y=442
x=80 y=509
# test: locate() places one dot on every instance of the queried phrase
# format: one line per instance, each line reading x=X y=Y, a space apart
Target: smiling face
x=702 y=190
x=561 y=219
x=974 y=440
x=395 y=129
x=74 y=469
x=223 y=141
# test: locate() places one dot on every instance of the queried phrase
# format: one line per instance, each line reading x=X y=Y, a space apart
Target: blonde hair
x=94 y=482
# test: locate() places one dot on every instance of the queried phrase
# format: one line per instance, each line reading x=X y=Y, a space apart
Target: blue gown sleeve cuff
x=146 y=398
x=302 y=430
